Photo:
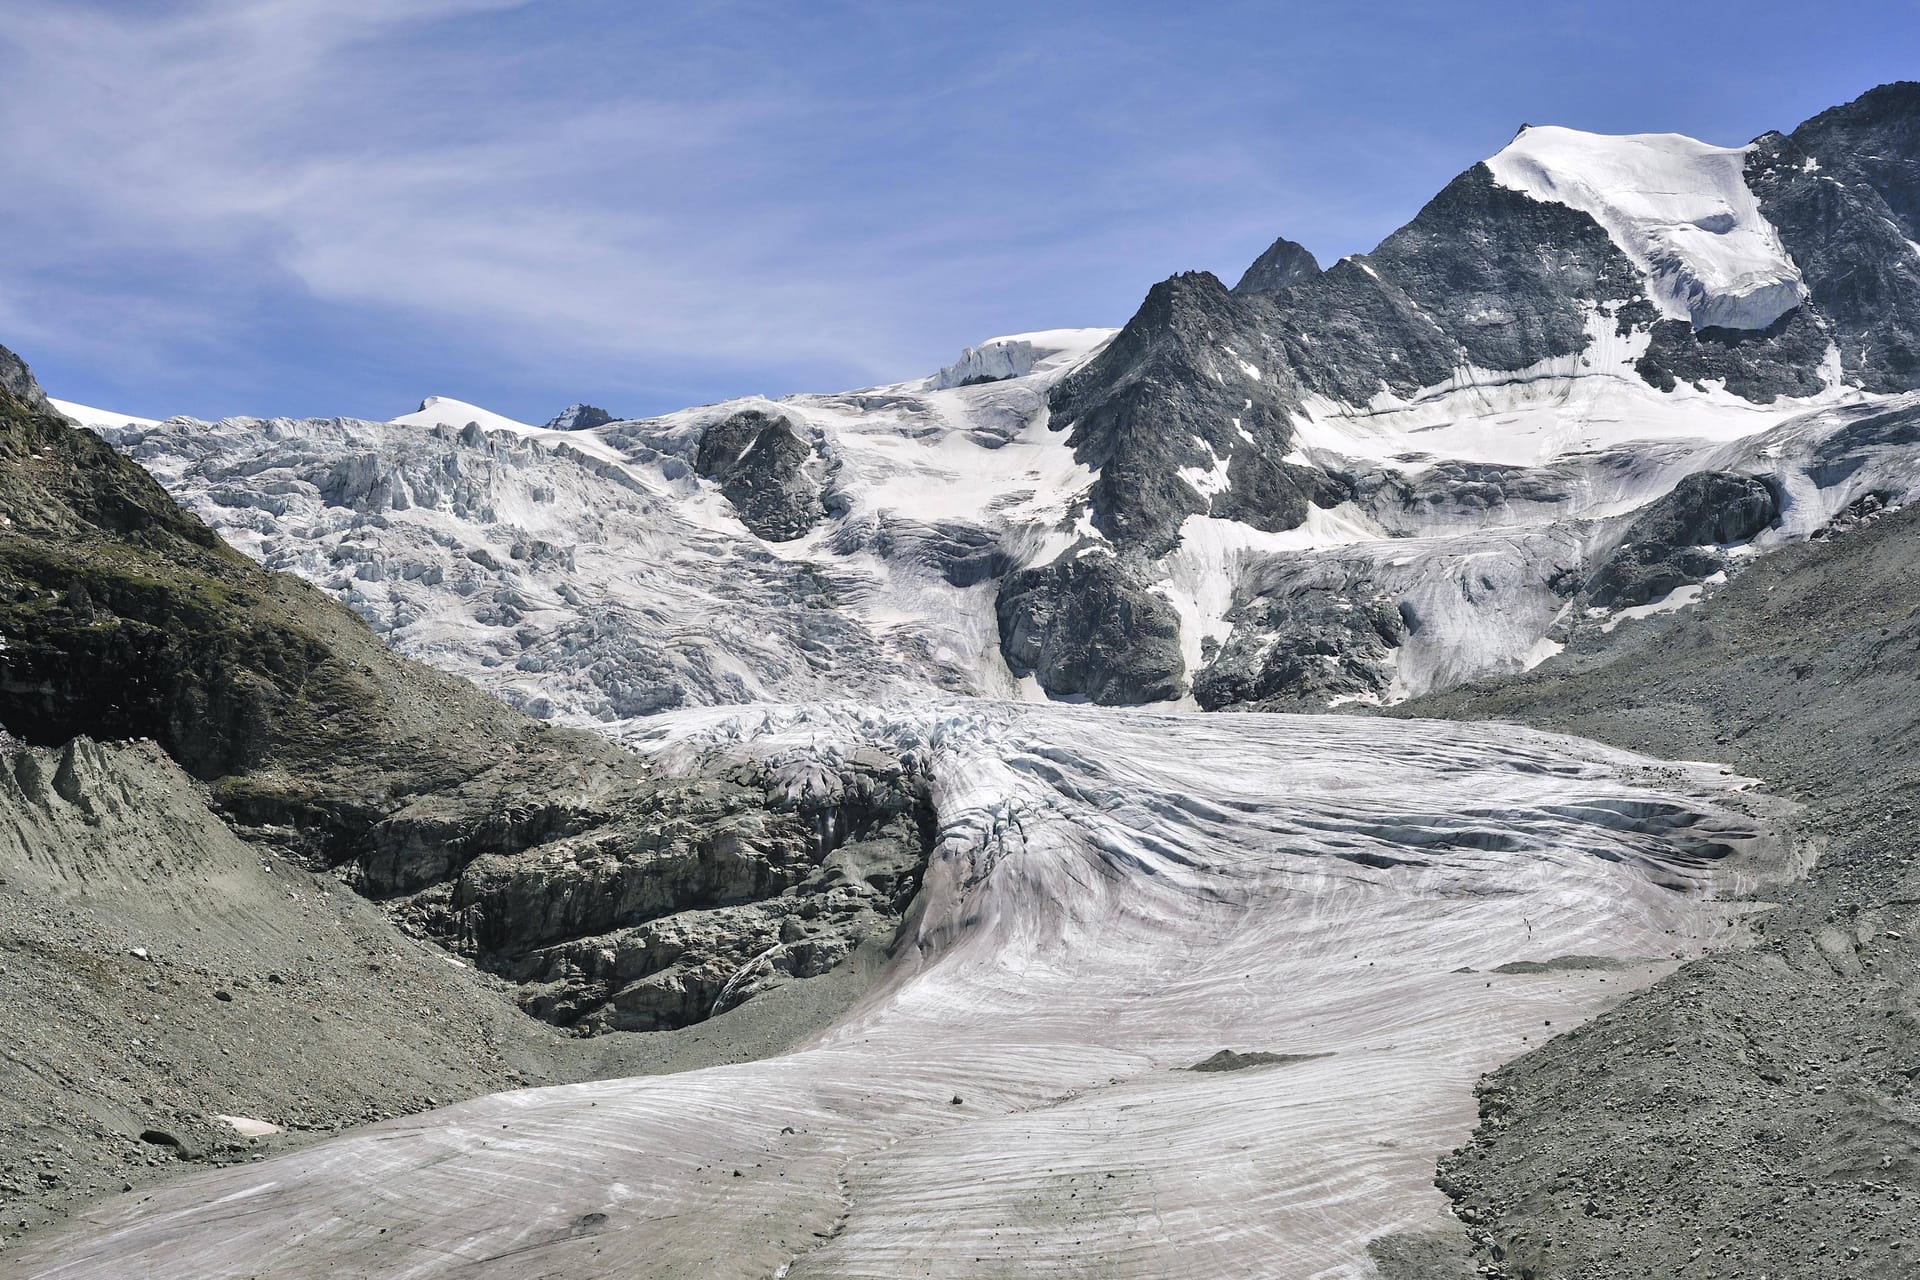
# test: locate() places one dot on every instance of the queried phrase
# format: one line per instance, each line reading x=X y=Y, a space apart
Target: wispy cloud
x=710 y=202
x=317 y=204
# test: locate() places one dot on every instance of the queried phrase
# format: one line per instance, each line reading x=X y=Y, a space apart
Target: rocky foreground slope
x=1756 y=1113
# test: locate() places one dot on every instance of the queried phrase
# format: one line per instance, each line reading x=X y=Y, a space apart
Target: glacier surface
x=1115 y=897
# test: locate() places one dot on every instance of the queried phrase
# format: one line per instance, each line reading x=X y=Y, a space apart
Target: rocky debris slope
x=158 y=974
x=1754 y=1114
x=1114 y=897
x=1457 y=427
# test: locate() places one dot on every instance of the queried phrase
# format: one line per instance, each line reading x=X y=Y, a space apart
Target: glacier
x=1679 y=208
x=1114 y=898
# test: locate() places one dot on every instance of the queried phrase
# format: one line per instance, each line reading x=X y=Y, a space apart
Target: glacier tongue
x=1114 y=897
x=1679 y=208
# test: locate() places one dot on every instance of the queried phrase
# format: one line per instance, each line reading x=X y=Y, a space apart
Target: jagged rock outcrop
x=1284 y=264
x=1320 y=641
x=1086 y=625
x=1681 y=538
x=1844 y=191
x=767 y=471
x=1174 y=392
x=579 y=417
x=17 y=380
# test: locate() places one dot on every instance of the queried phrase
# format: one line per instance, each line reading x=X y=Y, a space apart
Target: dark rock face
x=1508 y=279
x=1319 y=641
x=579 y=417
x=1841 y=190
x=1176 y=388
x=1087 y=625
x=1781 y=360
x=764 y=467
x=1283 y=264
x=663 y=920
x=1677 y=540
x=17 y=380
x=1875 y=141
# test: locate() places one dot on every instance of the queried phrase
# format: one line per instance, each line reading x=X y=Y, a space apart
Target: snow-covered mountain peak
x=579 y=417
x=1679 y=208
x=445 y=411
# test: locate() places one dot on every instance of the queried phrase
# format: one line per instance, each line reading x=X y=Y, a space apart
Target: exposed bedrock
x=1182 y=387
x=1843 y=191
x=697 y=901
x=1087 y=625
x=1283 y=265
x=1324 y=638
x=579 y=417
x=1509 y=280
x=1761 y=365
x=768 y=472
x=1681 y=538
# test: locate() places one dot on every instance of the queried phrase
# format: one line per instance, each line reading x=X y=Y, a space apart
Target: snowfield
x=1114 y=898
x=1678 y=208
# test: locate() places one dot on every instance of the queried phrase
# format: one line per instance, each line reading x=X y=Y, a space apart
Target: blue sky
x=339 y=206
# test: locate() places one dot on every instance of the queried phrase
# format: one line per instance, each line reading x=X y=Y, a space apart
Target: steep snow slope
x=1680 y=209
x=1115 y=897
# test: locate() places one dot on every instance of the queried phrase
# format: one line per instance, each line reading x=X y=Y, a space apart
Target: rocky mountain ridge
x=1360 y=483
